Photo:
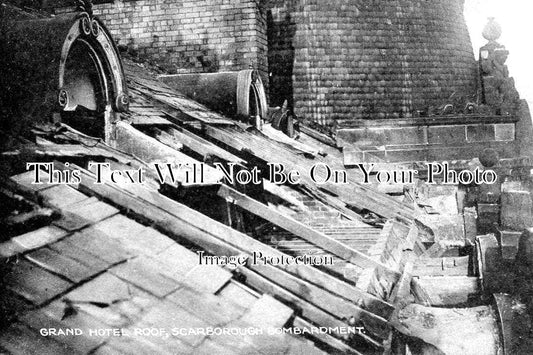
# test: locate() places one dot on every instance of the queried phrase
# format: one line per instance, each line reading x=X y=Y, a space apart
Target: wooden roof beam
x=184 y=223
x=196 y=144
x=301 y=230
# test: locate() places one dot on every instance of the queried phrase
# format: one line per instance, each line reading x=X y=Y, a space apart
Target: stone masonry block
x=480 y=133
x=516 y=211
x=504 y=132
x=470 y=221
x=488 y=217
x=509 y=243
x=452 y=135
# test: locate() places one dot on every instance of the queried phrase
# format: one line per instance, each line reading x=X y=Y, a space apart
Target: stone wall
x=190 y=36
x=343 y=59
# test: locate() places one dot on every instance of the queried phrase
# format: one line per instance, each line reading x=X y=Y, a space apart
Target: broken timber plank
x=402 y=288
x=140 y=120
x=183 y=222
x=63 y=150
x=69 y=133
x=199 y=112
x=353 y=193
x=299 y=229
x=282 y=138
x=307 y=309
x=276 y=190
x=333 y=202
x=151 y=150
x=196 y=144
x=242 y=241
x=321 y=137
x=327 y=301
x=240 y=146
x=144 y=147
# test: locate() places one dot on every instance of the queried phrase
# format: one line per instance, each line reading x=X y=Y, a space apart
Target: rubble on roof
x=126 y=256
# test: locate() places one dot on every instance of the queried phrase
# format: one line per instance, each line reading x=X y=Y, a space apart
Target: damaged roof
x=94 y=268
x=118 y=255
x=110 y=249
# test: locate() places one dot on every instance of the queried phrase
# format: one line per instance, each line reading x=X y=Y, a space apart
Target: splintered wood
x=113 y=274
x=468 y=331
x=324 y=291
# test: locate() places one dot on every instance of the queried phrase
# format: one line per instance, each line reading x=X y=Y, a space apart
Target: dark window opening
x=85 y=86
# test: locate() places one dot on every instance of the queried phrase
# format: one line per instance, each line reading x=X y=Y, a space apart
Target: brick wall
x=190 y=36
x=345 y=59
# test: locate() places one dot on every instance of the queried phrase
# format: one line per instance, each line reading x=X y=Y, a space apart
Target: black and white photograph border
x=266 y=177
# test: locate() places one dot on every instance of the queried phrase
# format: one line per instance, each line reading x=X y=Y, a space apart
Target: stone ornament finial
x=498 y=89
x=492 y=30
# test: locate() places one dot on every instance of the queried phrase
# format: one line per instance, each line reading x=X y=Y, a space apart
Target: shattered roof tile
x=94 y=279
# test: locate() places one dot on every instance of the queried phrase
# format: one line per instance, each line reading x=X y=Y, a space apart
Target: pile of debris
x=105 y=239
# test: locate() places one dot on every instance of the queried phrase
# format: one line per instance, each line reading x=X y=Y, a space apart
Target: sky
x=514 y=16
